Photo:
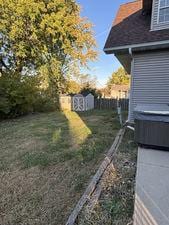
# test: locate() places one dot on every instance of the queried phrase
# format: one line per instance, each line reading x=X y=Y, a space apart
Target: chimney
x=147 y=5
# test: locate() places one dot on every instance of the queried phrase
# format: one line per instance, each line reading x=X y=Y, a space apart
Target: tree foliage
x=72 y=87
x=41 y=38
x=120 y=77
x=17 y=97
x=44 y=32
x=89 y=90
x=82 y=83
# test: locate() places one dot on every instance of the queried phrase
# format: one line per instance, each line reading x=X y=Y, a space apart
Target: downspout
x=131 y=53
x=127 y=122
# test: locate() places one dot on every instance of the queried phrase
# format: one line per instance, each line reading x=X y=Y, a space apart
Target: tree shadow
x=100 y=129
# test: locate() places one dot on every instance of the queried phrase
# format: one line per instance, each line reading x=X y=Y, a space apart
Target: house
x=104 y=92
x=116 y=92
x=139 y=38
x=119 y=91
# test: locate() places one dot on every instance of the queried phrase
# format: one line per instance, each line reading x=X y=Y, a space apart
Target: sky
x=101 y=14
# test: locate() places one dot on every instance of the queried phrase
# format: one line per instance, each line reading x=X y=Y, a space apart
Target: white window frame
x=159 y=8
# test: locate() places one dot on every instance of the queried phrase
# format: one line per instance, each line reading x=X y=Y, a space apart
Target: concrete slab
x=152 y=188
x=152 y=156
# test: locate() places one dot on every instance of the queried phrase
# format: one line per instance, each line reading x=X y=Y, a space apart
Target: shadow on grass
x=78 y=136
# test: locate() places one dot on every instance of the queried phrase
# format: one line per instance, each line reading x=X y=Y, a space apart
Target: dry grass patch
x=116 y=204
x=46 y=162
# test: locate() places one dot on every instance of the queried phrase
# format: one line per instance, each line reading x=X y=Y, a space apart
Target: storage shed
x=83 y=102
x=65 y=102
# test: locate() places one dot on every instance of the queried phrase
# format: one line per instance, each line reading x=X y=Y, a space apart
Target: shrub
x=17 y=95
x=44 y=103
x=20 y=95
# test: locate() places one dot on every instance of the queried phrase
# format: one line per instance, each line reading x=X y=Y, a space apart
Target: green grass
x=47 y=160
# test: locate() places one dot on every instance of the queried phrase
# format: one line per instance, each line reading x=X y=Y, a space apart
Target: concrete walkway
x=152 y=188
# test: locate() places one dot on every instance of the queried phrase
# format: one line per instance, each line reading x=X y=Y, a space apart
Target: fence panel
x=106 y=103
x=124 y=103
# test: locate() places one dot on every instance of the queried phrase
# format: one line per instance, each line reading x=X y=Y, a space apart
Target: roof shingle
x=131 y=27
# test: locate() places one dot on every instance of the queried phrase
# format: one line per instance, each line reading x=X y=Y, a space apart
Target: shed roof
x=86 y=93
x=132 y=27
x=78 y=95
x=82 y=95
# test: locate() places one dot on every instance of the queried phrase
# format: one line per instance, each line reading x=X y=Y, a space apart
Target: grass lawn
x=46 y=162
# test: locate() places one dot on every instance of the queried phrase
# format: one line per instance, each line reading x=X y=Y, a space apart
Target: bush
x=16 y=95
x=44 y=103
x=20 y=95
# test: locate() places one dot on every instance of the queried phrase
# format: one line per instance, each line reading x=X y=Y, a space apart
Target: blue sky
x=101 y=13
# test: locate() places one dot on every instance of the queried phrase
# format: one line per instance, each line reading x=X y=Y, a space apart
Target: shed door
x=78 y=104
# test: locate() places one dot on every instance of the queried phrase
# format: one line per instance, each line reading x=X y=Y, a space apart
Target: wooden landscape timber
x=93 y=184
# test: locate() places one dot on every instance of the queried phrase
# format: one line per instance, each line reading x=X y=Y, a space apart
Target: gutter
x=137 y=46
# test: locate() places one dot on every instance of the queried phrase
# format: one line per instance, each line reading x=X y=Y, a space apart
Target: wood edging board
x=92 y=186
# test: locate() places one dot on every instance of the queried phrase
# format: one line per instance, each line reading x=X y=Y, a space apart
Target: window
x=164 y=11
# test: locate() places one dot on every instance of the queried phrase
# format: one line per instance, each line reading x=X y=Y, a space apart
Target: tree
x=89 y=90
x=72 y=87
x=76 y=82
x=85 y=80
x=88 y=86
x=120 y=77
x=42 y=38
x=43 y=33
x=17 y=97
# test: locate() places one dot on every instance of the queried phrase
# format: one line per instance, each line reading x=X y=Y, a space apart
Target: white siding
x=155 y=25
x=150 y=79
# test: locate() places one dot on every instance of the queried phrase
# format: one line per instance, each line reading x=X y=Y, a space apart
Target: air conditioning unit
x=152 y=126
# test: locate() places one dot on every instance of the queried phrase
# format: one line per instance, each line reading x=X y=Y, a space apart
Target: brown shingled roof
x=132 y=27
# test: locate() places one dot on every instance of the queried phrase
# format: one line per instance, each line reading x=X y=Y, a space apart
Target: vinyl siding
x=150 y=80
x=155 y=25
